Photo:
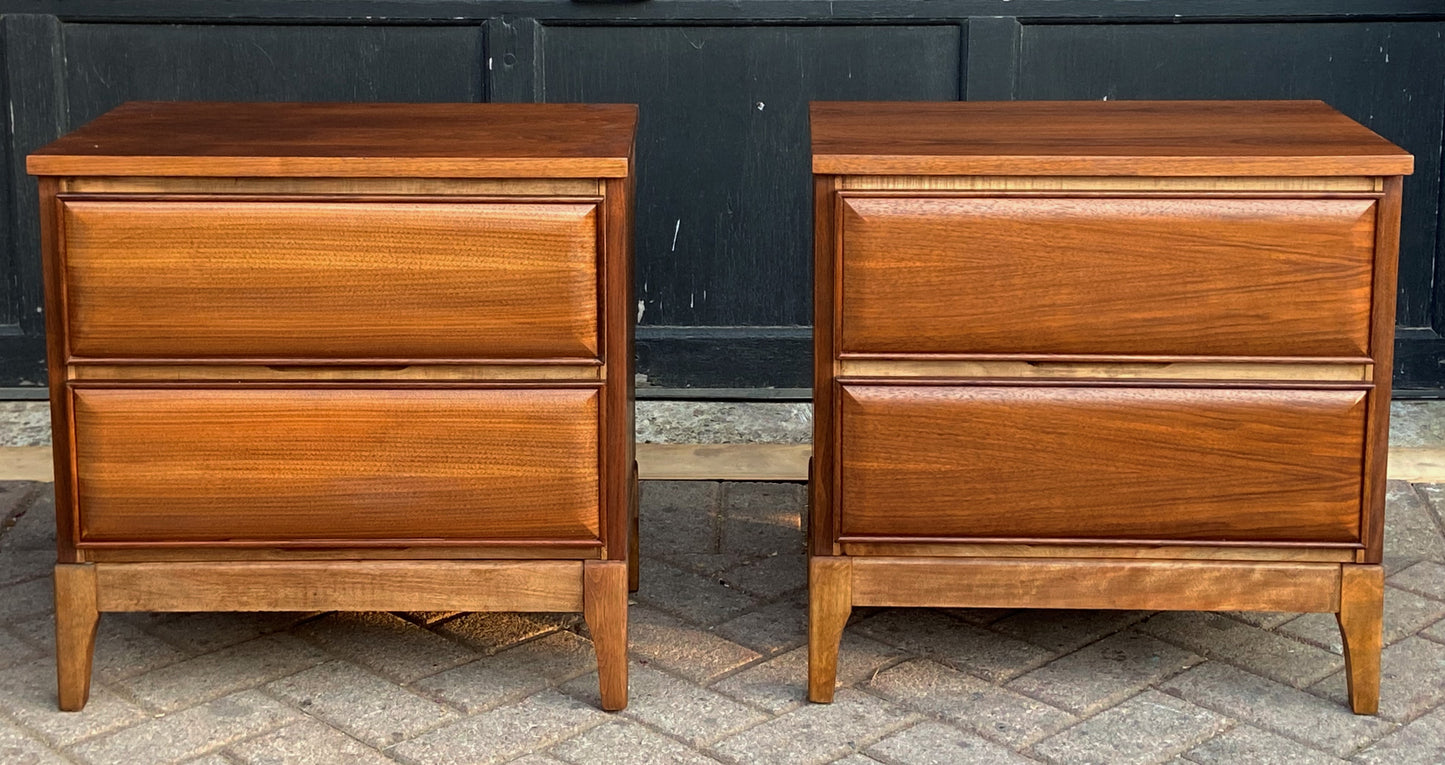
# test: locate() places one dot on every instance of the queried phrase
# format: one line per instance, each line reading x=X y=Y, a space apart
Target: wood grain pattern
x=76 y=617
x=341 y=586
x=1361 y=619
x=723 y=462
x=822 y=480
x=604 y=607
x=474 y=187
x=342 y=357
x=55 y=356
x=355 y=280
x=830 y=601
x=1125 y=138
x=618 y=316
x=1076 y=370
x=576 y=372
x=1264 y=277
x=1087 y=183
x=1382 y=346
x=1143 y=585
x=338 y=140
x=274 y=464
x=1102 y=462
x=1137 y=552
x=399 y=549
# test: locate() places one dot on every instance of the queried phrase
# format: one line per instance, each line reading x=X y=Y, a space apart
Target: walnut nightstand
x=341 y=357
x=1102 y=355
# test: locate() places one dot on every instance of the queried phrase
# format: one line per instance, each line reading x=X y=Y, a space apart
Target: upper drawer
x=331 y=280
x=1209 y=277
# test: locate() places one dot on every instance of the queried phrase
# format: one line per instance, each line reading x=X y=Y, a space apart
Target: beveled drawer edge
x=1118 y=370
x=1356 y=184
x=589 y=187
x=412 y=551
x=110 y=371
x=319 y=543
x=1189 y=551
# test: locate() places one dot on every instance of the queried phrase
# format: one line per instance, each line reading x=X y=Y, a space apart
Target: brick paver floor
x=718 y=652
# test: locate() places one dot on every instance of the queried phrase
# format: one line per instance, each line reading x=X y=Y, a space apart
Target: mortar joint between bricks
x=719 y=507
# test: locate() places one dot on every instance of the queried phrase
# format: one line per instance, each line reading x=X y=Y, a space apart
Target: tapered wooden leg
x=633 y=564
x=604 y=606
x=75 y=621
x=830 y=600
x=1361 y=616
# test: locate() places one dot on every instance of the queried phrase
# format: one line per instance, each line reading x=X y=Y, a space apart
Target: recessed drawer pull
x=1103 y=369
x=311 y=368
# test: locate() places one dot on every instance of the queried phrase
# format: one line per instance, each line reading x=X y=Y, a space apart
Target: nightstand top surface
x=1121 y=138
x=347 y=140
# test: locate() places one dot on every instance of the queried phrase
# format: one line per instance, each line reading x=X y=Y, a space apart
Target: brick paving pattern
x=718 y=663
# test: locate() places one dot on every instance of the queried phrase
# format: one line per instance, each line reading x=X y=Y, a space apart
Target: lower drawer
x=1082 y=462
x=288 y=464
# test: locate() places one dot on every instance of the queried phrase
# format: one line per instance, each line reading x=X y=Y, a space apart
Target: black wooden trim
x=22 y=361
x=1437 y=293
x=514 y=65
x=712 y=10
x=1419 y=363
x=9 y=292
x=726 y=357
x=35 y=81
x=991 y=58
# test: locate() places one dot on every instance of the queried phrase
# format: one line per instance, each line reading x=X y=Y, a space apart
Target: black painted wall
x=723 y=241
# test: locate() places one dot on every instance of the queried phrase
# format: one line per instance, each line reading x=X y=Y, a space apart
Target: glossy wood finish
x=448 y=280
x=315 y=371
x=342 y=356
x=1115 y=138
x=469 y=187
x=830 y=601
x=1111 y=276
x=604 y=607
x=1382 y=342
x=76 y=618
x=619 y=316
x=337 y=140
x=1361 y=619
x=194 y=465
x=1099 y=370
x=1153 y=550
x=57 y=372
x=1101 y=462
x=1093 y=184
x=380 y=549
x=1103 y=355
x=822 y=486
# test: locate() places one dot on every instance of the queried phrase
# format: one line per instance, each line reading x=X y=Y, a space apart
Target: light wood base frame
x=1353 y=592
x=597 y=588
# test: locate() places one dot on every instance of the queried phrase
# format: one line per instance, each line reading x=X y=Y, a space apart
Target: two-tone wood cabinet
x=1102 y=355
x=341 y=356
